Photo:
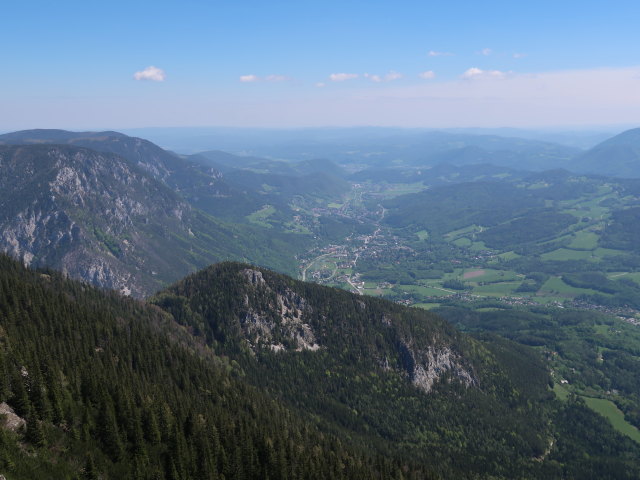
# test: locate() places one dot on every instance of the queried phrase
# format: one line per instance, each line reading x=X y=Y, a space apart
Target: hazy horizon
x=304 y=141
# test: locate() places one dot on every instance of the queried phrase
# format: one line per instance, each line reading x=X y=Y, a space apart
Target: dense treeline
x=623 y=292
x=623 y=231
x=534 y=227
x=114 y=388
x=592 y=352
x=111 y=388
x=358 y=381
x=449 y=208
x=356 y=384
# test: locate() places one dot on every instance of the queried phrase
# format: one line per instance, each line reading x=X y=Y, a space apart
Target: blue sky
x=72 y=64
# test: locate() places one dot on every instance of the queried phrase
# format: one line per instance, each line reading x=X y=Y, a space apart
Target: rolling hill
x=618 y=156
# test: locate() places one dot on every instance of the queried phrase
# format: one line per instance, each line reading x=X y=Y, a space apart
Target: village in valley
x=475 y=273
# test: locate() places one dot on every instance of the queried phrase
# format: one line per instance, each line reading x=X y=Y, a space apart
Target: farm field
x=501 y=289
x=610 y=411
x=635 y=276
x=260 y=217
x=413 y=263
x=555 y=285
x=422 y=235
x=585 y=240
x=490 y=275
x=563 y=254
x=432 y=291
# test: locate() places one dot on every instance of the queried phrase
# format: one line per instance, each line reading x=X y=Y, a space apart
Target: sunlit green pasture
x=556 y=286
x=609 y=410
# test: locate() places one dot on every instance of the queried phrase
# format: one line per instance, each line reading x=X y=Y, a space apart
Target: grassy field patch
x=374 y=292
x=561 y=392
x=635 y=276
x=259 y=217
x=609 y=410
x=422 y=235
x=497 y=289
x=556 y=286
x=396 y=189
x=426 y=306
x=462 y=242
x=462 y=232
x=607 y=252
x=585 y=240
x=564 y=254
x=295 y=227
x=478 y=246
x=509 y=256
x=425 y=291
x=473 y=274
x=490 y=275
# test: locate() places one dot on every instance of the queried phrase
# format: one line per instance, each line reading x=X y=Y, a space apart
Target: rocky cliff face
x=286 y=330
x=99 y=218
x=166 y=167
x=427 y=364
x=80 y=211
x=264 y=312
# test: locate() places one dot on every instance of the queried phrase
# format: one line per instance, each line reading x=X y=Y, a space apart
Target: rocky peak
x=428 y=364
x=282 y=325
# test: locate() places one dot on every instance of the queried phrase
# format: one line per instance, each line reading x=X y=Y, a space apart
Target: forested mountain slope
x=101 y=219
x=111 y=389
x=249 y=374
x=399 y=379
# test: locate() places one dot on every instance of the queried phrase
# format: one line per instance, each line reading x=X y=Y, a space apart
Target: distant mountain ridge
x=162 y=165
x=379 y=147
x=618 y=156
x=253 y=182
x=202 y=179
x=103 y=220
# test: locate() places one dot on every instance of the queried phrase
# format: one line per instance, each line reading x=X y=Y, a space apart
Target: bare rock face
x=287 y=325
x=292 y=310
x=254 y=277
x=11 y=421
x=426 y=366
x=283 y=323
x=97 y=217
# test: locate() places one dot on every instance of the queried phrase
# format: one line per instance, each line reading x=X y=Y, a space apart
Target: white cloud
x=321 y=84
x=249 y=78
x=486 y=52
x=476 y=73
x=373 y=78
x=519 y=55
x=574 y=97
x=428 y=75
x=276 y=78
x=341 y=77
x=433 y=53
x=151 y=73
x=391 y=76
